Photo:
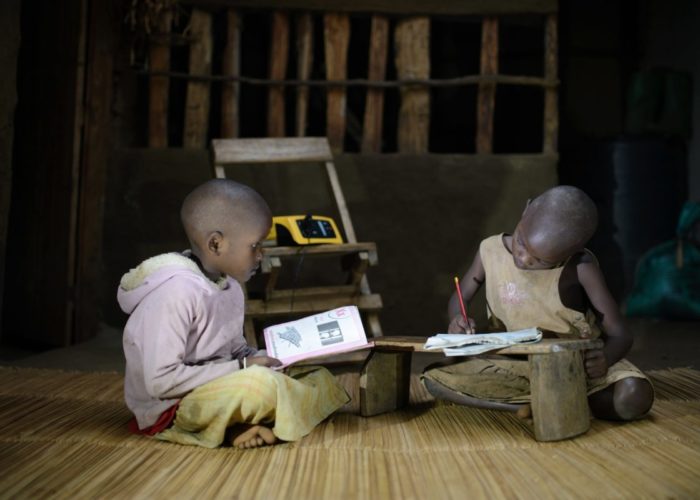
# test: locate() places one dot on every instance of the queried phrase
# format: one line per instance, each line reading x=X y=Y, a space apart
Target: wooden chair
x=557 y=381
x=308 y=300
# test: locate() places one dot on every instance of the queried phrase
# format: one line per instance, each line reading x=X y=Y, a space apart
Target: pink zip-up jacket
x=183 y=331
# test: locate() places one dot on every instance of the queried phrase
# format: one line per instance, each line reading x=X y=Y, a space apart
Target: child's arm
x=165 y=322
x=617 y=340
x=249 y=356
x=469 y=285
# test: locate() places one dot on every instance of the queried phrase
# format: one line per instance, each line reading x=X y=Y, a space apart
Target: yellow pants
x=292 y=405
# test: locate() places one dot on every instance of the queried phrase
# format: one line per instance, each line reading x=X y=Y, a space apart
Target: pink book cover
x=330 y=332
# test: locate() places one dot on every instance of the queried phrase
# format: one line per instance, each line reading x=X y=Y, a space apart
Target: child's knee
x=633 y=398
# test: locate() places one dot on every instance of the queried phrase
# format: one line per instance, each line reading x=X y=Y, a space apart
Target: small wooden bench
x=557 y=379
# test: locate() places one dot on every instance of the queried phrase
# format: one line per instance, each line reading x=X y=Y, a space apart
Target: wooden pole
x=197 y=104
x=103 y=29
x=486 y=99
x=159 y=60
x=305 y=43
x=412 y=41
x=551 y=109
x=374 y=107
x=279 y=54
x=231 y=66
x=336 y=35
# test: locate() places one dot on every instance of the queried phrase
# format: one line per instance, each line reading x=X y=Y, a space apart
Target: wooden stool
x=557 y=381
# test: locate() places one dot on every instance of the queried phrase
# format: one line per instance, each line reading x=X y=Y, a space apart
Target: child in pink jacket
x=185 y=330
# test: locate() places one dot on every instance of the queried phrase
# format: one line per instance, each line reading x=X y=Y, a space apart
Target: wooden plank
x=544 y=346
x=270 y=150
x=486 y=98
x=249 y=332
x=429 y=7
x=384 y=382
x=272 y=267
x=197 y=103
x=104 y=25
x=78 y=127
x=412 y=47
x=340 y=202
x=279 y=54
x=305 y=44
x=374 y=106
x=359 y=268
x=231 y=66
x=10 y=26
x=311 y=305
x=373 y=324
x=309 y=291
x=329 y=250
x=158 y=86
x=551 y=108
x=336 y=30
x=559 y=401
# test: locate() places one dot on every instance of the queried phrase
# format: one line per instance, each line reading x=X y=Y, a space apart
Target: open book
x=331 y=332
x=460 y=344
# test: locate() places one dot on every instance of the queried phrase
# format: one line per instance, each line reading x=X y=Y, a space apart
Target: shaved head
x=220 y=205
x=560 y=221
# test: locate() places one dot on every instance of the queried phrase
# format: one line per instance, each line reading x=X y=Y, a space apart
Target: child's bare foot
x=524 y=412
x=253 y=436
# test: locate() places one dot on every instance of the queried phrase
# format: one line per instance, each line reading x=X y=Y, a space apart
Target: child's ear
x=527 y=204
x=215 y=242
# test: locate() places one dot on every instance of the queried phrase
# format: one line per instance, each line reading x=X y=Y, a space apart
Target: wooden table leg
x=384 y=382
x=559 y=401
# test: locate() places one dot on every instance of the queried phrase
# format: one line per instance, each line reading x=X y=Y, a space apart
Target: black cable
x=297 y=272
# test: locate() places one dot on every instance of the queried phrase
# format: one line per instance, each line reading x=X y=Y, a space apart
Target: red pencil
x=461 y=302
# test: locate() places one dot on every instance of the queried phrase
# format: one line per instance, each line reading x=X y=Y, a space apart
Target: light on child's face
x=244 y=252
x=523 y=256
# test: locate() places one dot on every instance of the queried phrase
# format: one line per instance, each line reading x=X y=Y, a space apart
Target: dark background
x=629 y=74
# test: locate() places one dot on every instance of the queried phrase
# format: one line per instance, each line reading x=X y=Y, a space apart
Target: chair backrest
x=287 y=150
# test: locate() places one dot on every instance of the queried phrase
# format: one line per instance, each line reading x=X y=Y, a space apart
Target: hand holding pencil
x=461 y=323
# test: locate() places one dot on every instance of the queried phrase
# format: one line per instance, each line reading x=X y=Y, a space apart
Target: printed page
x=330 y=332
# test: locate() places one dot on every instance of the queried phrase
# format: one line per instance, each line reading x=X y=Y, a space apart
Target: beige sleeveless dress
x=518 y=299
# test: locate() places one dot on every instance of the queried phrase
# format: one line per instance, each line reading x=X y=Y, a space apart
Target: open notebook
x=460 y=344
x=330 y=332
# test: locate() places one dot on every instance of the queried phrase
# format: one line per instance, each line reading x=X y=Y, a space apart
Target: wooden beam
x=270 y=150
x=305 y=54
x=327 y=250
x=158 y=86
x=97 y=147
x=551 y=108
x=405 y=7
x=336 y=30
x=78 y=127
x=310 y=305
x=374 y=107
x=340 y=202
x=197 y=104
x=412 y=46
x=231 y=66
x=10 y=26
x=279 y=54
x=416 y=343
x=486 y=98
